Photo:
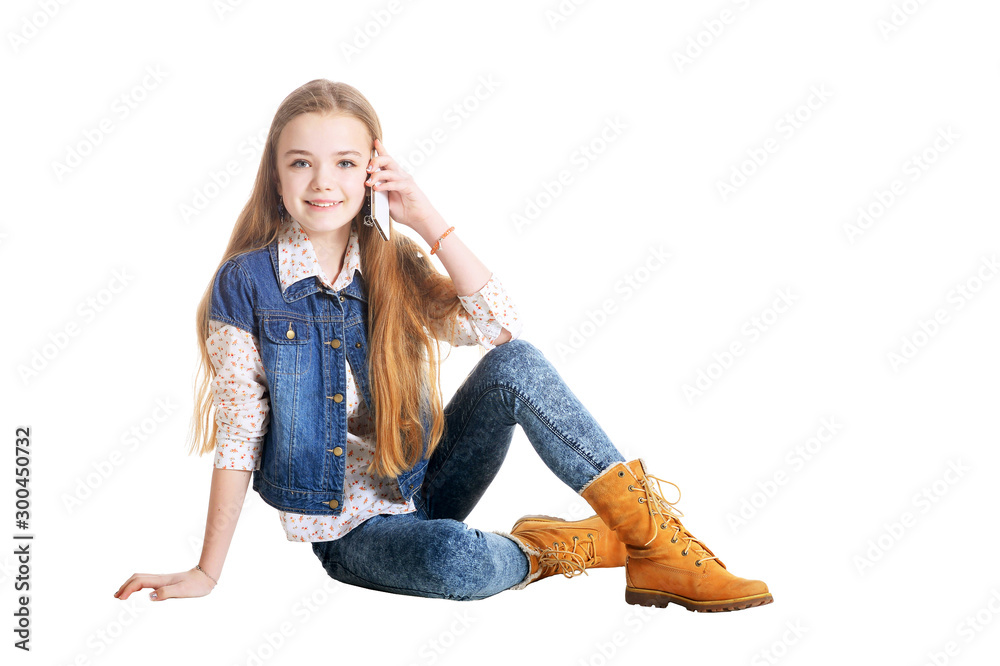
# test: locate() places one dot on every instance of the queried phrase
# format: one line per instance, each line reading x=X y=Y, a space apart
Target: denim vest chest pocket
x=286 y=349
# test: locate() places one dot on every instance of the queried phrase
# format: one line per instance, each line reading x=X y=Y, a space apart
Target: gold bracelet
x=437 y=243
x=198 y=567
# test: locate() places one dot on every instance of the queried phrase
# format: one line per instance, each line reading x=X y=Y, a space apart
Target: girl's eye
x=349 y=163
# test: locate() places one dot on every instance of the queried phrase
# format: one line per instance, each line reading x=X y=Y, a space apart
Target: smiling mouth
x=325 y=205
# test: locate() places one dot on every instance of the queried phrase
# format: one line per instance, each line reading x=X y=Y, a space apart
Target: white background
x=887 y=92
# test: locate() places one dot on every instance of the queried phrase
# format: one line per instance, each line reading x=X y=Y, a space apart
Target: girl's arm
x=242 y=416
x=409 y=205
x=484 y=318
x=229 y=490
x=466 y=270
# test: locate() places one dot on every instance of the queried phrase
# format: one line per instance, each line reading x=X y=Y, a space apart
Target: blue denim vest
x=304 y=335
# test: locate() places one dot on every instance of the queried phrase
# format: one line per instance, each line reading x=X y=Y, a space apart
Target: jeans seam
x=573 y=445
x=511 y=389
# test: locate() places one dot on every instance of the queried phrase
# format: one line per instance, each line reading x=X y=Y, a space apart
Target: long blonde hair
x=407 y=296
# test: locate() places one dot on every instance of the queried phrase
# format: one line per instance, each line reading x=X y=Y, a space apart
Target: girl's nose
x=326 y=178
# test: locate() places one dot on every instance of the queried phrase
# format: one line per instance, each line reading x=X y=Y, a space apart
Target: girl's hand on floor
x=190 y=583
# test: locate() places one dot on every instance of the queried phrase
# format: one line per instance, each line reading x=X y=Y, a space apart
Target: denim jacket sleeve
x=232 y=300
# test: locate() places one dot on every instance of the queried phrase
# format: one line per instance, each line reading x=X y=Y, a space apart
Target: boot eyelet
x=620 y=473
x=589 y=535
x=576 y=538
x=673 y=539
x=697 y=563
x=630 y=488
x=663 y=526
x=684 y=553
x=641 y=500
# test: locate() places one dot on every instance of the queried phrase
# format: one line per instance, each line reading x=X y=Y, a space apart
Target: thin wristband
x=198 y=567
x=437 y=243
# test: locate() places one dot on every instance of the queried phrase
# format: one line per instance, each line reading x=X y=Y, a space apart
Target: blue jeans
x=431 y=552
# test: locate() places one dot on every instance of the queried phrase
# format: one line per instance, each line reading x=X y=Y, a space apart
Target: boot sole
x=642 y=597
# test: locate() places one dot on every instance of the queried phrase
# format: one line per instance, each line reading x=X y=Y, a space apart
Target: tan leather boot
x=666 y=563
x=554 y=545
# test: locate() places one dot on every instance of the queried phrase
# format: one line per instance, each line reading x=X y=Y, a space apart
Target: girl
x=317 y=357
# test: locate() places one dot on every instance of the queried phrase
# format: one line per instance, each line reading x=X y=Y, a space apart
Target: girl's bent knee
x=513 y=359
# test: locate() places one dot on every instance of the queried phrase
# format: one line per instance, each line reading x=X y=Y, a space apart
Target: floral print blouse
x=240 y=389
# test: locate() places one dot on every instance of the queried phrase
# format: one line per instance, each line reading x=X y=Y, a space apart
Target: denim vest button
x=342 y=298
x=337 y=451
x=334 y=343
x=337 y=397
x=358 y=345
x=334 y=504
x=290 y=334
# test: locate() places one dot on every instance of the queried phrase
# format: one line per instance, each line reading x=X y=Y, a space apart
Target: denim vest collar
x=306 y=287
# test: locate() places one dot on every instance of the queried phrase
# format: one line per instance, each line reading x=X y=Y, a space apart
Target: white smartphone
x=379 y=204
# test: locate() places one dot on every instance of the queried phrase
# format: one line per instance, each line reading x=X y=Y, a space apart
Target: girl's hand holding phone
x=407 y=203
x=190 y=583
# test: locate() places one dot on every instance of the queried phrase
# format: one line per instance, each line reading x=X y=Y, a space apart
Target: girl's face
x=321 y=164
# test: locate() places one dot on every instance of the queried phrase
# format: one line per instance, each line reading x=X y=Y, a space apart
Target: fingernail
x=152 y=595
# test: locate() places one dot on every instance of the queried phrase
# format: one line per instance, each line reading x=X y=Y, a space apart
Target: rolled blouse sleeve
x=240 y=396
x=484 y=315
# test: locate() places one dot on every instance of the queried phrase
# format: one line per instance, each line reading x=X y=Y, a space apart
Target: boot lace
x=670 y=515
x=568 y=561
